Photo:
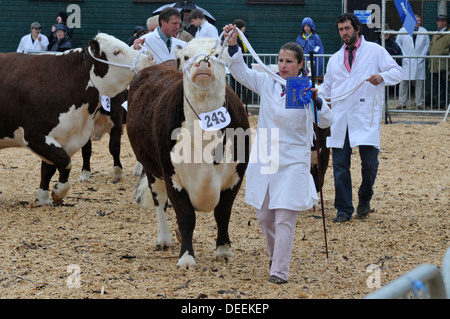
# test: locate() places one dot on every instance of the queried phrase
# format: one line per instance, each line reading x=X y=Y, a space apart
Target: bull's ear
x=95 y=48
x=178 y=51
x=178 y=54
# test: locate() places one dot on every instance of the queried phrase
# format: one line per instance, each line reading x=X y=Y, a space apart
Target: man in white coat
x=162 y=41
x=33 y=42
x=413 y=68
x=204 y=28
x=368 y=67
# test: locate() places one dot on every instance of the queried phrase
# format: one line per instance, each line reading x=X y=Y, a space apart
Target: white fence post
x=446 y=272
x=426 y=278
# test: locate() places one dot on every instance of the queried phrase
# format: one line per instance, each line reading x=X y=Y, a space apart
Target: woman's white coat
x=281 y=151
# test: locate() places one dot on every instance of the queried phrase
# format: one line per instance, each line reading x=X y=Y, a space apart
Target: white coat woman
x=278 y=180
x=413 y=68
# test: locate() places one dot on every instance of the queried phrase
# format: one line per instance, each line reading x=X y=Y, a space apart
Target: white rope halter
x=132 y=67
x=207 y=57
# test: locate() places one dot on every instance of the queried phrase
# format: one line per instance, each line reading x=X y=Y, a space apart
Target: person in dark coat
x=390 y=45
x=138 y=32
x=60 y=42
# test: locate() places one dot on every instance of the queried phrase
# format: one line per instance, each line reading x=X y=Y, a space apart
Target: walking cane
x=316 y=128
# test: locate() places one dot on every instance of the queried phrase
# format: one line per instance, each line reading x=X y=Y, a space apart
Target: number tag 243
x=215 y=120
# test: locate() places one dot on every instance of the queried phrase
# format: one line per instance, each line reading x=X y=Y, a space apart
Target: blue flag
x=407 y=15
x=298 y=93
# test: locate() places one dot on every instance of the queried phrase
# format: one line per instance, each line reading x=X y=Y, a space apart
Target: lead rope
x=279 y=79
x=132 y=67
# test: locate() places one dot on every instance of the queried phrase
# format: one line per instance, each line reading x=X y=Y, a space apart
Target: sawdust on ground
x=100 y=244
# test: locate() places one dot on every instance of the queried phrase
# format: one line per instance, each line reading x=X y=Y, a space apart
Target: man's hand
x=375 y=79
x=136 y=43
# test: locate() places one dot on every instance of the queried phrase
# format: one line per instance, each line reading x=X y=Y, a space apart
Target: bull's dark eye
x=186 y=58
x=217 y=55
x=116 y=52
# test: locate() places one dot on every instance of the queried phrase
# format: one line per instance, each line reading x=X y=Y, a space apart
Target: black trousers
x=439 y=89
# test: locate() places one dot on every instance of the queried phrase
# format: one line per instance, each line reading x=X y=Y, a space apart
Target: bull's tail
x=143 y=195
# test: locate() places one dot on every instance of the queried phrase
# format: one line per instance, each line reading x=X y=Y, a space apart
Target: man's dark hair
x=196 y=14
x=167 y=13
x=239 y=23
x=353 y=20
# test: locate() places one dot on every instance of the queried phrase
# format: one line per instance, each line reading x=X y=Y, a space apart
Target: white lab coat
x=286 y=177
x=207 y=30
x=158 y=47
x=361 y=112
x=26 y=44
x=413 y=69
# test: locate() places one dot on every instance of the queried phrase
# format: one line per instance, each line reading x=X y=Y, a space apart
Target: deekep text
x=228 y=308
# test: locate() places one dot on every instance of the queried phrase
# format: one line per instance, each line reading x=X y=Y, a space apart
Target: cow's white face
x=117 y=78
x=203 y=65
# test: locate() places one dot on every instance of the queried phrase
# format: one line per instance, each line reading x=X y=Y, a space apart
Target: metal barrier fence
x=425 y=281
x=408 y=96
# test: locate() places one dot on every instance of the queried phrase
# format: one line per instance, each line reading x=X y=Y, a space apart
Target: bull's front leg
x=55 y=158
x=186 y=224
x=114 y=149
x=222 y=214
x=86 y=152
x=59 y=190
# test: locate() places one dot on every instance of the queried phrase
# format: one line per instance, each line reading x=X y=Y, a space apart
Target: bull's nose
x=204 y=61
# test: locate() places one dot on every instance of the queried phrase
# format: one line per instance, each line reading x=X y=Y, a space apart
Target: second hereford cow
x=56 y=122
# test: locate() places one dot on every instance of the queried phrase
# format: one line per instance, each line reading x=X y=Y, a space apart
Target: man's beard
x=351 y=40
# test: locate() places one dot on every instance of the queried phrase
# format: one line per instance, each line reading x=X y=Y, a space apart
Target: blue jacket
x=311 y=43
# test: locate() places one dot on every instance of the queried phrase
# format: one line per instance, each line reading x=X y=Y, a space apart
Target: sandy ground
x=100 y=244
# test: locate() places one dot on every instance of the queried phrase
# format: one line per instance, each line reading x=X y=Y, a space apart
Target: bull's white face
x=201 y=61
x=118 y=78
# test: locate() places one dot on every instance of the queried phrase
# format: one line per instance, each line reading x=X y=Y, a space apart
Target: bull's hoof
x=42 y=199
x=38 y=203
x=60 y=191
x=224 y=253
x=186 y=261
x=163 y=246
x=117 y=174
x=56 y=199
x=84 y=176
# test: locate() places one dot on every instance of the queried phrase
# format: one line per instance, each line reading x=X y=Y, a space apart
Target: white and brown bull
x=48 y=102
x=196 y=169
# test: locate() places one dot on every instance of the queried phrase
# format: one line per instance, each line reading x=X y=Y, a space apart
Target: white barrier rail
x=425 y=281
x=431 y=83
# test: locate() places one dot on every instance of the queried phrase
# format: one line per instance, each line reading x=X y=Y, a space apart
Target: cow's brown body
x=48 y=102
x=156 y=109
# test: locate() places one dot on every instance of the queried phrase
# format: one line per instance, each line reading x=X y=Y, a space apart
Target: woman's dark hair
x=353 y=20
x=298 y=53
